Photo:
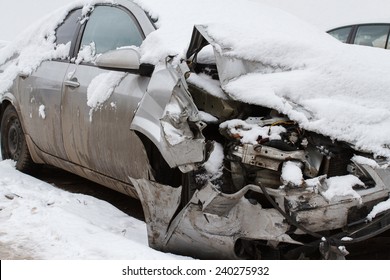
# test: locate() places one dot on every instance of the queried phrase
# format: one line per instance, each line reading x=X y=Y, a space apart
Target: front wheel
x=13 y=141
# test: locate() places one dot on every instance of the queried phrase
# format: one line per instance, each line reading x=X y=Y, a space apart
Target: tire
x=13 y=141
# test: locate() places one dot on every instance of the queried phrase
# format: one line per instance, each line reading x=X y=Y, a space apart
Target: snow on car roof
x=338 y=90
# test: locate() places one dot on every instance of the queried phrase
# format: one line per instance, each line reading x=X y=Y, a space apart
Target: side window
x=372 y=35
x=109 y=28
x=67 y=29
x=341 y=34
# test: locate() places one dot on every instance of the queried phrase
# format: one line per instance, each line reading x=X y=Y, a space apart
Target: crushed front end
x=266 y=188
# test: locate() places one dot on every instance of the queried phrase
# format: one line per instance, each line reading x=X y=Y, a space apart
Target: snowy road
x=39 y=221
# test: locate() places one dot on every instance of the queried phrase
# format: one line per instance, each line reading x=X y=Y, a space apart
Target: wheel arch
x=8 y=99
x=162 y=172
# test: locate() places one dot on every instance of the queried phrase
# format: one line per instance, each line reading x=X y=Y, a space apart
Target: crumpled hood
x=341 y=91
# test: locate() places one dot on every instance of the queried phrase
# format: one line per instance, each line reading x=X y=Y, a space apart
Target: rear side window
x=109 y=28
x=341 y=34
x=65 y=32
x=372 y=35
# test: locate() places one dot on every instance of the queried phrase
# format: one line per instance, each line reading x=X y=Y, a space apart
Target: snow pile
x=332 y=94
x=176 y=19
x=206 y=83
x=346 y=238
x=53 y=224
x=341 y=187
x=365 y=161
x=324 y=85
x=379 y=208
x=86 y=54
x=101 y=88
x=251 y=133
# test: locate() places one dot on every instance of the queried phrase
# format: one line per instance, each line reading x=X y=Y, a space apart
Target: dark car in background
x=369 y=34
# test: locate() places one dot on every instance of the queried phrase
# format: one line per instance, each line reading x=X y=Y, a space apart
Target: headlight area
x=323 y=189
x=256 y=185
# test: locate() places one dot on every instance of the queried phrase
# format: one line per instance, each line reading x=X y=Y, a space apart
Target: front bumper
x=213 y=225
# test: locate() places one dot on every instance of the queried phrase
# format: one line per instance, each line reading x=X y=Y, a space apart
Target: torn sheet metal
x=210 y=224
x=177 y=136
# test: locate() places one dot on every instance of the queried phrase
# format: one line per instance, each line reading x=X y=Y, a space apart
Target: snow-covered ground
x=40 y=221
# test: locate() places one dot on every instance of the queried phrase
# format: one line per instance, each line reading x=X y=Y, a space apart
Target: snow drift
x=327 y=87
x=49 y=223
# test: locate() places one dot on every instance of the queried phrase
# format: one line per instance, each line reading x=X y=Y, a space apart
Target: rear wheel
x=13 y=141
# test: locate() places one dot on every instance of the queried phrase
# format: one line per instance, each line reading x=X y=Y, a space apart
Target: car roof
x=362 y=23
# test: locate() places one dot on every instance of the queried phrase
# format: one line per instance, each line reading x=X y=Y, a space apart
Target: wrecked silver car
x=220 y=173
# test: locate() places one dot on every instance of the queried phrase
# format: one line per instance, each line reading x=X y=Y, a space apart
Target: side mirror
x=123 y=59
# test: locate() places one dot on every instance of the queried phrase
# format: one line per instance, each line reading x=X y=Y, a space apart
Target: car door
x=40 y=93
x=373 y=35
x=99 y=104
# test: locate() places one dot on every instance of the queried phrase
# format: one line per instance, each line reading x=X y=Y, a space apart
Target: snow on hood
x=338 y=90
x=334 y=89
x=270 y=58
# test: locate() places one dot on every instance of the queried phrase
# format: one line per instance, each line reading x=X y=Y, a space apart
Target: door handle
x=23 y=76
x=72 y=83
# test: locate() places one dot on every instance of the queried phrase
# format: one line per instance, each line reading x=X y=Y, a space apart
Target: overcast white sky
x=16 y=15
x=326 y=14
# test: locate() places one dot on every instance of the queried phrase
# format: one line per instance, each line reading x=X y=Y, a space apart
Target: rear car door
x=40 y=93
x=373 y=35
x=99 y=104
